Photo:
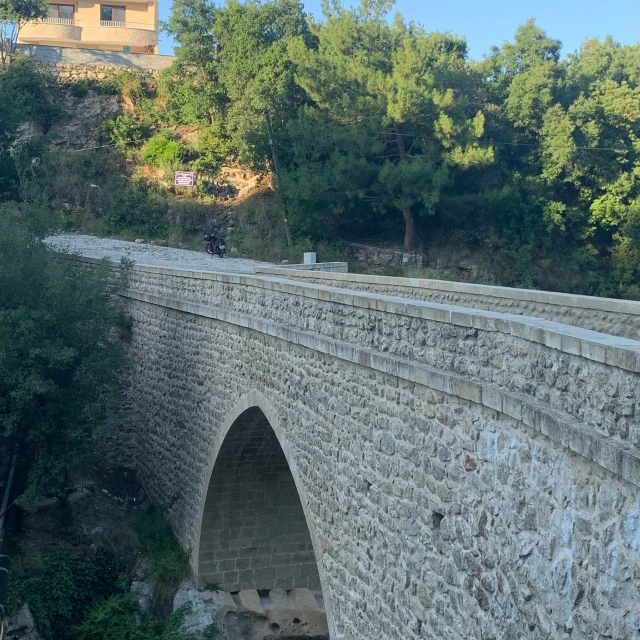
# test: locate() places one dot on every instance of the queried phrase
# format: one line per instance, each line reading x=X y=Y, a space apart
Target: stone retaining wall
x=66 y=65
x=606 y=315
x=61 y=73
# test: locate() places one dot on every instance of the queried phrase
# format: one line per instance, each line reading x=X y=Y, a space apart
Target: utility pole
x=276 y=166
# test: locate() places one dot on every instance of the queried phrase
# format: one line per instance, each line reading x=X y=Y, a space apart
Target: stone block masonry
x=614 y=317
x=254 y=531
x=66 y=65
x=462 y=473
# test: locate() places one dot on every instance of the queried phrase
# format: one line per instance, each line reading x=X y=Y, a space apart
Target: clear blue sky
x=488 y=22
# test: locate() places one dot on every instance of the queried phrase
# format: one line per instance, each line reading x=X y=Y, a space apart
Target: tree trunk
x=409 y=227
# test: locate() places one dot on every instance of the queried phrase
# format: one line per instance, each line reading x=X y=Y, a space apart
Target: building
x=130 y=26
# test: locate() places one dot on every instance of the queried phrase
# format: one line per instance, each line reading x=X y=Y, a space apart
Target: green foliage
x=13 y=16
x=394 y=271
x=384 y=131
x=22 y=83
x=190 y=24
x=80 y=591
x=169 y=562
x=24 y=98
x=189 y=96
x=123 y=131
x=262 y=236
x=163 y=152
x=409 y=91
x=61 y=586
x=59 y=357
x=119 y=618
x=130 y=86
x=81 y=88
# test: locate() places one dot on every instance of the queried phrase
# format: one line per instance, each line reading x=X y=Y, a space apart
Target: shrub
x=60 y=587
x=262 y=236
x=24 y=83
x=120 y=618
x=169 y=561
x=129 y=85
x=123 y=131
x=163 y=152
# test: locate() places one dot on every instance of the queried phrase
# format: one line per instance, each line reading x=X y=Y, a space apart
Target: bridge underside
x=254 y=533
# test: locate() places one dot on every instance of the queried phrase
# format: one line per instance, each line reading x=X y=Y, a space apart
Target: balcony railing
x=95 y=23
x=65 y=21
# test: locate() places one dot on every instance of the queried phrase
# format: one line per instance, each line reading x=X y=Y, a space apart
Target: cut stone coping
x=322 y=267
x=74 y=56
x=623 y=353
x=610 y=305
x=615 y=456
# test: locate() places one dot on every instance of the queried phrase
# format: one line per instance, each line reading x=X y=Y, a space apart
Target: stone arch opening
x=254 y=533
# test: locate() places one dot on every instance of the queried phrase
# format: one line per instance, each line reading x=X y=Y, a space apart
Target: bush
x=61 y=585
x=120 y=618
x=79 y=591
x=169 y=561
x=24 y=84
x=163 y=152
x=124 y=132
x=129 y=85
x=262 y=236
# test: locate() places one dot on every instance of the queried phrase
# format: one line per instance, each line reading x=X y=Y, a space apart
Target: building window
x=61 y=11
x=109 y=13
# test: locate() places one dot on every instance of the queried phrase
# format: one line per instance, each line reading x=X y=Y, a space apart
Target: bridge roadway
x=436 y=470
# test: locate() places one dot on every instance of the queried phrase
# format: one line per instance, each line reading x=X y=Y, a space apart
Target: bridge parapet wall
x=577 y=387
x=607 y=315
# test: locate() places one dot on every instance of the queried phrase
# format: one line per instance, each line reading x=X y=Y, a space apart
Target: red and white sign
x=184 y=179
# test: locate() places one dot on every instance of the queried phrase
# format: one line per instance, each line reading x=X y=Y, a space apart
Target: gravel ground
x=148 y=254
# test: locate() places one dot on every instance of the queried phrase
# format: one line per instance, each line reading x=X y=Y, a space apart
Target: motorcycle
x=215 y=247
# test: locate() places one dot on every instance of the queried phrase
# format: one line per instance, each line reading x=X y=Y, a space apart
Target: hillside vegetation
x=385 y=133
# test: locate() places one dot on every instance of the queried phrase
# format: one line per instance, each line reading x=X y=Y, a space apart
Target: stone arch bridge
x=440 y=460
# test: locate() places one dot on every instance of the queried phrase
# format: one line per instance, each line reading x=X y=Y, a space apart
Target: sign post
x=184 y=179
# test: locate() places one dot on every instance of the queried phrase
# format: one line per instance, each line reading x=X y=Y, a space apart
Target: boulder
x=143 y=590
x=22 y=626
x=201 y=614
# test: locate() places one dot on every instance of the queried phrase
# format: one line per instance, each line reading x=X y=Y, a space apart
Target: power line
x=482 y=142
x=102 y=146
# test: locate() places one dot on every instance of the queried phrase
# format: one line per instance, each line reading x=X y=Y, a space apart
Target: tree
x=14 y=14
x=404 y=90
x=59 y=354
x=255 y=73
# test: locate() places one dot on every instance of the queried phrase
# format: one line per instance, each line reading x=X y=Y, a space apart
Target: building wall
x=462 y=474
x=141 y=12
x=84 y=34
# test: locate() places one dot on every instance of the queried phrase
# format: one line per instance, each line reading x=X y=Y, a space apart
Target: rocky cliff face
x=82 y=126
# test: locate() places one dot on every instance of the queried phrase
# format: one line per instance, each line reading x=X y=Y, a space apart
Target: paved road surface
x=148 y=254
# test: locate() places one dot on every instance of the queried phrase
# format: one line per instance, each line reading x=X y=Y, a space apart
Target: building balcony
x=89 y=33
x=55 y=29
